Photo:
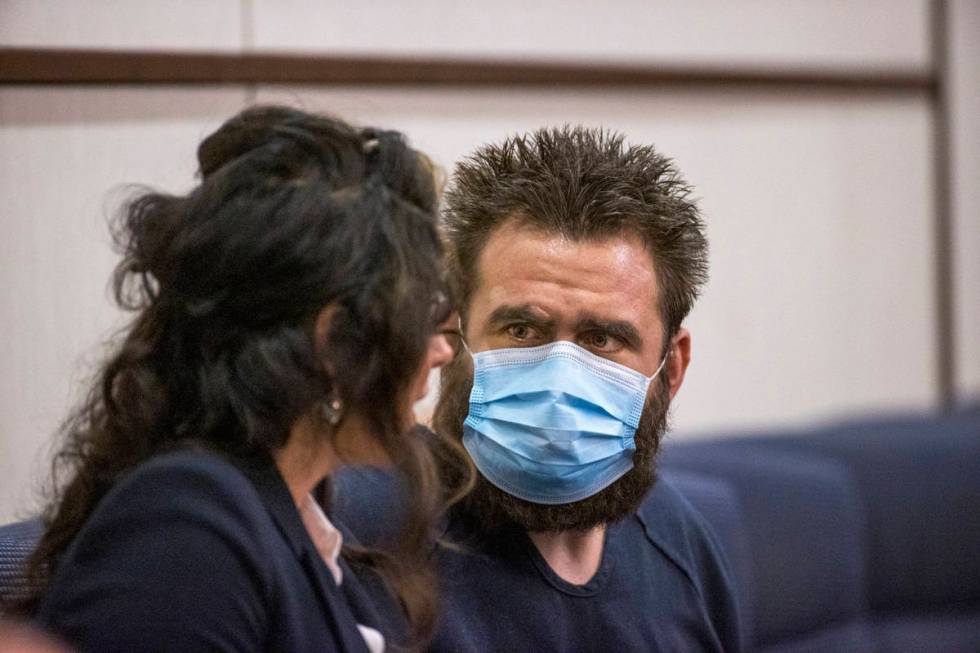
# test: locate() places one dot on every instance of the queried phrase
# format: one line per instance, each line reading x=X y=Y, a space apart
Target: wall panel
x=875 y=33
x=114 y=24
x=964 y=60
x=67 y=155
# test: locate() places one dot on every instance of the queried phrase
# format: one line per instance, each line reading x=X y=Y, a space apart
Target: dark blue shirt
x=662 y=585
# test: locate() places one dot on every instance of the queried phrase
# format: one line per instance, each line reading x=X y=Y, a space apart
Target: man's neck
x=573 y=555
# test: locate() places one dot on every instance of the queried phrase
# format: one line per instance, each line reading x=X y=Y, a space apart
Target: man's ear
x=678 y=359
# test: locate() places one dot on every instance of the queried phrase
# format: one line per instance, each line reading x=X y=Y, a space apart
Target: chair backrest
x=17 y=540
x=862 y=535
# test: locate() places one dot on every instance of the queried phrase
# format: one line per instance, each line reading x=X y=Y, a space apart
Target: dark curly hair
x=294 y=212
x=583 y=184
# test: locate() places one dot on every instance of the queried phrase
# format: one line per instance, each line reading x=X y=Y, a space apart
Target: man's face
x=534 y=288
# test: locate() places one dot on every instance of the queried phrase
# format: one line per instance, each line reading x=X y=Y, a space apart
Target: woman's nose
x=440 y=351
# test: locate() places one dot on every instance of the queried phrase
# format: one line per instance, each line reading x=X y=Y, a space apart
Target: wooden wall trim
x=112 y=67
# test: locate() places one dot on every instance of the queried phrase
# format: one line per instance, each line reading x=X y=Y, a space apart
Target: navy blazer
x=191 y=552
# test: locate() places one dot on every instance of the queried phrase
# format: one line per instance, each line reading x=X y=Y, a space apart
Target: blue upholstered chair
x=17 y=540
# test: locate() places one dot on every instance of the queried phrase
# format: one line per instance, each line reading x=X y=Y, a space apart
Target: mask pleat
x=541 y=482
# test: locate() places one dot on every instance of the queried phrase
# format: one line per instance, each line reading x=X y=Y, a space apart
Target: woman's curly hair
x=294 y=212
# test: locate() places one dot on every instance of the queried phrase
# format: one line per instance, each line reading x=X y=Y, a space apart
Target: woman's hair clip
x=370 y=145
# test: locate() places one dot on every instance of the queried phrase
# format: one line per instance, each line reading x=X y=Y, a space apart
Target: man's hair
x=582 y=184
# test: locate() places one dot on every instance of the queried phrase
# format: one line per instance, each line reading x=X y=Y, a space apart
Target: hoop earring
x=331 y=411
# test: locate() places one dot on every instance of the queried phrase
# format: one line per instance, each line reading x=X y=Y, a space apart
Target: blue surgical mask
x=553 y=424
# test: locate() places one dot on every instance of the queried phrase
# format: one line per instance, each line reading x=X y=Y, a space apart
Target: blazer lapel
x=279 y=502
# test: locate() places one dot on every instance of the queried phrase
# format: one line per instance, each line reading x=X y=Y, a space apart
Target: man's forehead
x=521 y=225
x=576 y=280
x=516 y=248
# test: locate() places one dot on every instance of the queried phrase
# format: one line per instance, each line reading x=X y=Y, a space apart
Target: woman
x=287 y=316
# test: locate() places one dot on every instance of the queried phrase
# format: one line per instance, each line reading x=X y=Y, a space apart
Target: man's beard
x=490 y=508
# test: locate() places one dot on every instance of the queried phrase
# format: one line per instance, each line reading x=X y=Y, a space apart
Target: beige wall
x=818 y=220
x=818 y=204
x=124 y=24
x=964 y=23
x=884 y=33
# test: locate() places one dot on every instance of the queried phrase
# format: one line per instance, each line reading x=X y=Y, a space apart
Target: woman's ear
x=330 y=409
x=321 y=329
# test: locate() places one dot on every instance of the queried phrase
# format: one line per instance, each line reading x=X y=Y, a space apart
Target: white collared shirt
x=328 y=541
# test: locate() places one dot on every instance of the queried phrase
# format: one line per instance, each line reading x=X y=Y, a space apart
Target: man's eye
x=601 y=342
x=519 y=331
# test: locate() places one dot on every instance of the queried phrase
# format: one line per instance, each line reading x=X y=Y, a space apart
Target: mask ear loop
x=662 y=363
x=462 y=338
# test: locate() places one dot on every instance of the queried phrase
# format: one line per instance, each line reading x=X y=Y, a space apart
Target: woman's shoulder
x=187 y=494
x=195 y=465
x=189 y=461
x=185 y=535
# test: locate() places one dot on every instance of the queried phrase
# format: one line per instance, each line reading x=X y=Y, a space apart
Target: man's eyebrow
x=522 y=313
x=619 y=329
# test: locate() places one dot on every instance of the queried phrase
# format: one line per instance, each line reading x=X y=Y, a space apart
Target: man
x=577 y=259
